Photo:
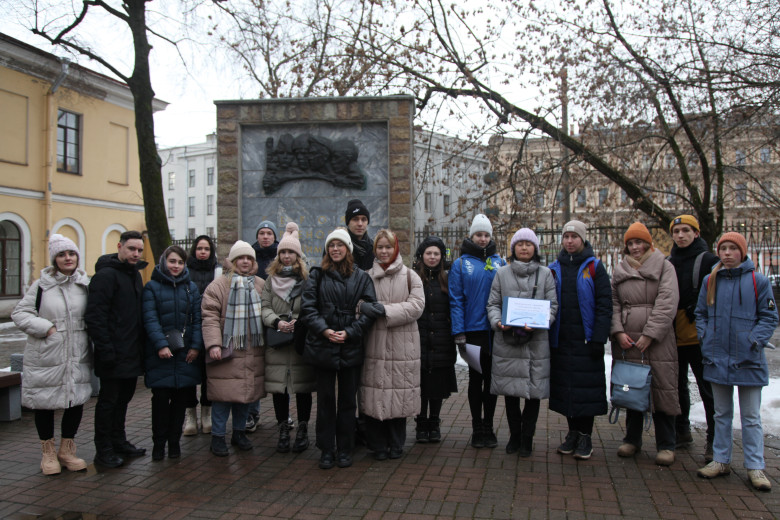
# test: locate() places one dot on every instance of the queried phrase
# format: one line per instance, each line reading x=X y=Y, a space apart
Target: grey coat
x=521 y=371
x=56 y=369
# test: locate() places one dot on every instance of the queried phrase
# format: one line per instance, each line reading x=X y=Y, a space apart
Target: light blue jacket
x=735 y=330
x=469 y=286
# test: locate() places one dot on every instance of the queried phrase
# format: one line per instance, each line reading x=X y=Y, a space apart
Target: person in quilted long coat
x=390 y=382
x=644 y=304
x=57 y=357
x=171 y=307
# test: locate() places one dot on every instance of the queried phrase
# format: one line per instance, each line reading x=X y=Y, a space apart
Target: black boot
x=240 y=439
x=477 y=438
x=218 y=446
x=515 y=434
x=158 y=451
x=423 y=436
x=488 y=434
x=301 y=437
x=107 y=458
x=174 y=449
x=434 y=433
x=526 y=446
x=283 y=446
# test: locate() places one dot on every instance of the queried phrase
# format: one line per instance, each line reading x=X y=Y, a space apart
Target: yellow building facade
x=68 y=163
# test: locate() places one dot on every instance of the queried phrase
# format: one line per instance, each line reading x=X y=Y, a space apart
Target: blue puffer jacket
x=470 y=279
x=169 y=304
x=734 y=331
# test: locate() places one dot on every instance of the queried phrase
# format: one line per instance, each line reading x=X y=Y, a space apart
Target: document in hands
x=525 y=312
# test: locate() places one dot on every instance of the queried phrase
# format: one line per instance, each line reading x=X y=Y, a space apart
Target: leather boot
x=218 y=446
x=434 y=433
x=190 y=422
x=477 y=438
x=283 y=446
x=67 y=456
x=489 y=436
x=423 y=435
x=205 y=419
x=49 y=463
x=301 y=437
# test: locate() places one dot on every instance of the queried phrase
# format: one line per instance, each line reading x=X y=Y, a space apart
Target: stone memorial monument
x=303 y=159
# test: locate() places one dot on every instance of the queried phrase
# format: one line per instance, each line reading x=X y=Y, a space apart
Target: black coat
x=362 y=251
x=578 y=386
x=264 y=257
x=329 y=301
x=114 y=317
x=437 y=348
x=201 y=271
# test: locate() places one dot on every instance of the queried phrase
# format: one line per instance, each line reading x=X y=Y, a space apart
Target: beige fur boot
x=190 y=422
x=205 y=419
x=49 y=464
x=67 y=456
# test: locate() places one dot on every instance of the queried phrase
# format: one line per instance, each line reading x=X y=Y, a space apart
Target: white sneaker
x=759 y=480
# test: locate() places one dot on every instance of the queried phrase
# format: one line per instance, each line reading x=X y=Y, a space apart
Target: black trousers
x=664 y=430
x=521 y=423
x=387 y=434
x=71 y=419
x=192 y=397
x=111 y=410
x=282 y=406
x=581 y=424
x=336 y=413
x=691 y=355
x=480 y=398
x=168 y=407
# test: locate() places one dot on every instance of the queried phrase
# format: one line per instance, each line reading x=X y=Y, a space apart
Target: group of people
x=377 y=341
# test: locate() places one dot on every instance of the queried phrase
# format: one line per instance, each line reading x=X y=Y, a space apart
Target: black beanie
x=355 y=208
x=428 y=242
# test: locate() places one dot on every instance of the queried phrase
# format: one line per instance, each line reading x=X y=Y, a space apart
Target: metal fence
x=763 y=239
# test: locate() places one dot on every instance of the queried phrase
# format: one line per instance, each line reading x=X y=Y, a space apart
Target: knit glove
x=596 y=349
x=460 y=340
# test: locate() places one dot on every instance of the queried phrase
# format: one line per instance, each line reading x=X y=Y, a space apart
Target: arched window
x=10 y=259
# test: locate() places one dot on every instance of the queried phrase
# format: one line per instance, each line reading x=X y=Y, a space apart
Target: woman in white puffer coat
x=57 y=358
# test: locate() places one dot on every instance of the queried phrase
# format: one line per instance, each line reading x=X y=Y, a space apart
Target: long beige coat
x=57 y=369
x=644 y=302
x=284 y=368
x=390 y=382
x=239 y=379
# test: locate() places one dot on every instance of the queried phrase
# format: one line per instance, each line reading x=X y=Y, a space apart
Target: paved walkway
x=445 y=480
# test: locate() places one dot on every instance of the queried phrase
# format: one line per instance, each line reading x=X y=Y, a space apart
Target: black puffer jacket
x=329 y=301
x=201 y=271
x=578 y=385
x=264 y=257
x=437 y=347
x=114 y=317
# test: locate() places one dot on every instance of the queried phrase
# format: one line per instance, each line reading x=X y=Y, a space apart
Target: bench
x=10 y=396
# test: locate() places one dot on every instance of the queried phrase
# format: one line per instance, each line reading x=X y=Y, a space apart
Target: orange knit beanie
x=638 y=230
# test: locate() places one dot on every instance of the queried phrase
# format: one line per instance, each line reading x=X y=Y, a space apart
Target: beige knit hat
x=339 y=234
x=241 y=248
x=290 y=239
x=59 y=243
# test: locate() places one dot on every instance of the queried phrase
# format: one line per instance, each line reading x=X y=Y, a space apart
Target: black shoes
x=422 y=430
x=283 y=446
x=108 y=459
x=345 y=460
x=174 y=449
x=240 y=440
x=158 y=451
x=396 y=453
x=526 y=446
x=327 y=460
x=513 y=445
x=488 y=435
x=218 y=446
x=301 y=437
x=380 y=455
x=434 y=433
x=477 y=437
x=127 y=449
x=584 y=447
x=569 y=444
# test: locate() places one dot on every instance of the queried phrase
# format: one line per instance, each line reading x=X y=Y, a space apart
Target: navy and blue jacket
x=470 y=279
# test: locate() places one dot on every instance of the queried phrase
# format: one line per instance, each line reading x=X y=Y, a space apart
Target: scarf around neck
x=242 y=317
x=287 y=284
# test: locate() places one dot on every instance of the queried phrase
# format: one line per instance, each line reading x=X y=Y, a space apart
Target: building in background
x=190 y=188
x=68 y=163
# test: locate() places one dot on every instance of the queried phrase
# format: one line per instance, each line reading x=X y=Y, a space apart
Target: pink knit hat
x=290 y=239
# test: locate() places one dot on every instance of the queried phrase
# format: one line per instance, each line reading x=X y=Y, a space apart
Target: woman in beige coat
x=285 y=370
x=644 y=304
x=390 y=382
x=231 y=322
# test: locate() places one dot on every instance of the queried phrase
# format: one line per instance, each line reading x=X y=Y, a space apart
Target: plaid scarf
x=242 y=317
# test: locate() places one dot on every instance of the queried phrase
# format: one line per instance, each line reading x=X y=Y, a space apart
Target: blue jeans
x=254 y=408
x=219 y=416
x=752 y=432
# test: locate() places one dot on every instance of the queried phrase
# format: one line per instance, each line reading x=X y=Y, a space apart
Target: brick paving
x=433 y=481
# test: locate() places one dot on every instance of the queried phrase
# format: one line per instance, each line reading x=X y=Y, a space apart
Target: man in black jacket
x=357 y=217
x=115 y=326
x=692 y=260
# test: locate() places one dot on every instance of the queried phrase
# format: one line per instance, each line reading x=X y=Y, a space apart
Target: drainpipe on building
x=51 y=149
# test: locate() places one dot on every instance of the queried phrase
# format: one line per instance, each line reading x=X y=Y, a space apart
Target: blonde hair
x=711 y=284
x=386 y=234
x=299 y=266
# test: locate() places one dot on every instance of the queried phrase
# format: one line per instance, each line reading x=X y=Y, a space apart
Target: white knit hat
x=481 y=223
x=58 y=244
x=290 y=239
x=241 y=248
x=339 y=234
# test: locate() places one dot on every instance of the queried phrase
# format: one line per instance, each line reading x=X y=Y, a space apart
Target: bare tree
x=69 y=28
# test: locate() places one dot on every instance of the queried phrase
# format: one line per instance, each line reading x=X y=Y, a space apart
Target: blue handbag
x=631 y=389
